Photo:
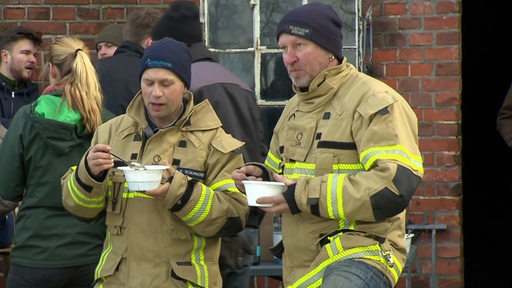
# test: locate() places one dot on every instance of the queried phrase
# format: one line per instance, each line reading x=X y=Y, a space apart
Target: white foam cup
x=257 y=189
x=146 y=177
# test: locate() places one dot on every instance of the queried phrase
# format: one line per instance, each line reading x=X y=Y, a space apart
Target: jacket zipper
x=12 y=105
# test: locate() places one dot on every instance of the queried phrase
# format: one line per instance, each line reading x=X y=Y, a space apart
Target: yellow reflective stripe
x=335 y=209
x=298 y=169
x=372 y=252
x=347 y=168
x=110 y=185
x=310 y=282
x=334 y=247
x=197 y=259
x=346 y=224
x=273 y=162
x=127 y=194
x=395 y=152
x=135 y=194
x=225 y=185
x=202 y=208
x=103 y=256
x=397 y=269
x=81 y=199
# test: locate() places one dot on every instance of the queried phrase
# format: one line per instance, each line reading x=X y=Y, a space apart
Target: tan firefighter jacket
x=172 y=242
x=351 y=142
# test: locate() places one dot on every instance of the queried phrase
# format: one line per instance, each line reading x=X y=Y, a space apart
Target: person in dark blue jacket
x=19 y=47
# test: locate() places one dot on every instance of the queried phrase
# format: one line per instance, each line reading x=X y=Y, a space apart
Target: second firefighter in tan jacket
x=346 y=145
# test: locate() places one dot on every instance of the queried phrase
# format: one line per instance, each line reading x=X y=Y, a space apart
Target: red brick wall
x=83 y=18
x=417 y=50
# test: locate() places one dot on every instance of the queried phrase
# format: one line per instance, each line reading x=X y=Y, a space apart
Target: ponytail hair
x=82 y=90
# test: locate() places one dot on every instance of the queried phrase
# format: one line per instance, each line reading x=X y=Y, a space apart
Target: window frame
x=357 y=49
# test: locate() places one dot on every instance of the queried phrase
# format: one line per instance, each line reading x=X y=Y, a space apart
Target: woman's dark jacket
x=38 y=152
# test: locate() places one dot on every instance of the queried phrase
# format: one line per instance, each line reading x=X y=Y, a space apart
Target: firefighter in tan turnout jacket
x=346 y=145
x=169 y=236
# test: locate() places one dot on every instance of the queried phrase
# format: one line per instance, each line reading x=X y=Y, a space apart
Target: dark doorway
x=487 y=165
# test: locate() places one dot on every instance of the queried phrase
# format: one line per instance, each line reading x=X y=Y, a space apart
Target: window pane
x=229 y=26
x=230 y=34
x=351 y=56
x=240 y=64
x=347 y=12
x=275 y=83
x=271 y=12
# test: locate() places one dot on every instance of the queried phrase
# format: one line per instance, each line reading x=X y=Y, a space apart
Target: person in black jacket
x=19 y=48
x=119 y=74
x=108 y=40
x=235 y=104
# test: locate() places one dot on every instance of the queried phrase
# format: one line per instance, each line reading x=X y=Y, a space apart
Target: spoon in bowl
x=131 y=164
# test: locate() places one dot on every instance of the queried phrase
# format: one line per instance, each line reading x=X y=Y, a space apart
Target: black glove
x=233 y=253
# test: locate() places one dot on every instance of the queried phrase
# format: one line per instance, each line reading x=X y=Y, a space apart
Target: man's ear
x=147 y=42
x=4 y=54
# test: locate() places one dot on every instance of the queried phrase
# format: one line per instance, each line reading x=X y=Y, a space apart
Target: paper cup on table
x=257 y=189
x=143 y=178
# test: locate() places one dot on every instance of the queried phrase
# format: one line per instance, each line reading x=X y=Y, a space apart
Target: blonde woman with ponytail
x=72 y=76
x=52 y=248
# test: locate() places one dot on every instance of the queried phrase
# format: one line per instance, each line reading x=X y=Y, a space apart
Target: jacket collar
x=128 y=47
x=199 y=52
x=323 y=87
x=193 y=118
x=9 y=86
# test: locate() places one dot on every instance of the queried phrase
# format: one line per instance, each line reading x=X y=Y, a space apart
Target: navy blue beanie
x=169 y=54
x=316 y=22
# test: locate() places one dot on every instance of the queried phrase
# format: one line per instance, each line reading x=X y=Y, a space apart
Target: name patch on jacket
x=192 y=173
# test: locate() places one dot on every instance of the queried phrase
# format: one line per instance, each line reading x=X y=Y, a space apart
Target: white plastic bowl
x=257 y=189
x=146 y=177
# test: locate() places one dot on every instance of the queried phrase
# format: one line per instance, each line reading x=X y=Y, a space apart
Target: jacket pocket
x=196 y=273
x=107 y=269
x=299 y=136
x=116 y=201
